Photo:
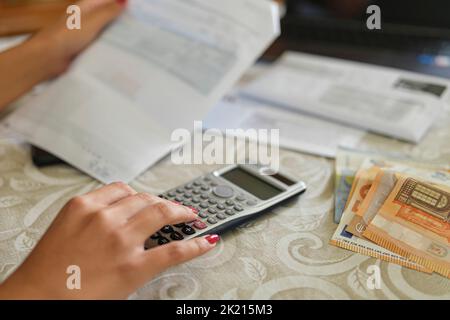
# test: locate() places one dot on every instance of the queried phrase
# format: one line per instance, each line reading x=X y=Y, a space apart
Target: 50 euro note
x=414 y=223
x=344 y=239
x=383 y=184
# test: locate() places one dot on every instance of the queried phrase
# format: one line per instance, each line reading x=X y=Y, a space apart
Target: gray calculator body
x=225 y=199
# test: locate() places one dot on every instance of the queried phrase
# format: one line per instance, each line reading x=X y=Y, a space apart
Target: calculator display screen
x=252 y=184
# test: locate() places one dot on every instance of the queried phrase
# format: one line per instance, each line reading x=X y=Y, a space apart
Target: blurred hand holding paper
x=383 y=100
x=161 y=66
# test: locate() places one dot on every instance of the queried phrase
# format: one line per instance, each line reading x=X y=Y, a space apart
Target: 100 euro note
x=414 y=222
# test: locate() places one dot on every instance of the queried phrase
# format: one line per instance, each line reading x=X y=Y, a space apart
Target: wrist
x=47 y=56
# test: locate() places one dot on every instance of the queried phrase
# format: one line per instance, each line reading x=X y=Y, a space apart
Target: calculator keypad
x=213 y=201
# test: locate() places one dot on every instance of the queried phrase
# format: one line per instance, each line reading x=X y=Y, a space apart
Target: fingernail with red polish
x=193 y=210
x=122 y=2
x=213 y=238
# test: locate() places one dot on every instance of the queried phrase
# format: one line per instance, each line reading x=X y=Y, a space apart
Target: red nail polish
x=122 y=2
x=213 y=238
x=194 y=210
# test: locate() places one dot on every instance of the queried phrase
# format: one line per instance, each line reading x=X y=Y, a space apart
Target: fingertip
x=212 y=239
x=208 y=242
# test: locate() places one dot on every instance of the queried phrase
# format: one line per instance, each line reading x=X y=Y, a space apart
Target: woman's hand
x=103 y=233
x=49 y=52
x=66 y=44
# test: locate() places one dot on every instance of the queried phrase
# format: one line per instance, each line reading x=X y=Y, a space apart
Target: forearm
x=23 y=67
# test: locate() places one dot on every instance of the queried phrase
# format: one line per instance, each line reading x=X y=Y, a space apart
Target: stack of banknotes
x=393 y=209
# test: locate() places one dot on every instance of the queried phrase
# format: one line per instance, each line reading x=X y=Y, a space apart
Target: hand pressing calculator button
x=227 y=198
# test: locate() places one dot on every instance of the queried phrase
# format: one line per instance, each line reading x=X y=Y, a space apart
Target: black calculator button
x=205 y=188
x=187 y=203
x=179 y=199
x=240 y=198
x=204 y=205
x=229 y=203
x=188 y=230
x=179 y=190
x=238 y=208
x=180 y=225
x=188 y=195
x=212 y=201
x=204 y=196
x=212 y=210
x=195 y=200
x=221 y=216
x=203 y=215
x=229 y=212
x=223 y=191
x=176 y=236
x=196 y=191
x=171 y=194
x=251 y=202
x=189 y=186
x=162 y=241
x=155 y=236
x=207 y=179
x=211 y=220
x=213 y=184
x=167 y=229
x=197 y=183
x=220 y=206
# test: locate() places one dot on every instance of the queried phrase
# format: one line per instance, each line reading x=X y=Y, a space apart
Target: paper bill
x=383 y=100
x=159 y=67
x=298 y=132
x=414 y=222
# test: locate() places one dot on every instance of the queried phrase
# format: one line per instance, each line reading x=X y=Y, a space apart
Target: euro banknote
x=414 y=222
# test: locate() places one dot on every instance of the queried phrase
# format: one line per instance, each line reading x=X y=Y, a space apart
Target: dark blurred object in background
x=415 y=34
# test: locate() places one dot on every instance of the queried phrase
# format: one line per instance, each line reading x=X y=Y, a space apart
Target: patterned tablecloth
x=284 y=254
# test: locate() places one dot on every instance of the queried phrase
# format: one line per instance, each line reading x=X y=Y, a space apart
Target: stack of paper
x=383 y=100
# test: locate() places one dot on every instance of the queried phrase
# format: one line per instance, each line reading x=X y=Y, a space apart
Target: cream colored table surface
x=284 y=254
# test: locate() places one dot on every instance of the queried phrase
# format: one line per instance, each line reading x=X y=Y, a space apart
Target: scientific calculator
x=225 y=199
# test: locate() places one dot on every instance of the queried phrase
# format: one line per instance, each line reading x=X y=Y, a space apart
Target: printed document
x=299 y=132
x=383 y=100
